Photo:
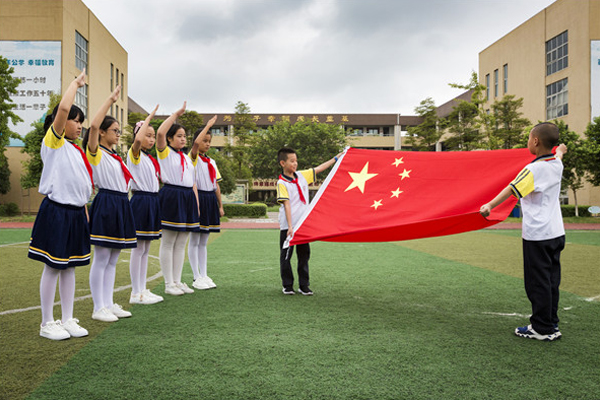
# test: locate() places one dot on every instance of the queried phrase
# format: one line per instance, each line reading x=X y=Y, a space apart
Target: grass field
x=423 y=319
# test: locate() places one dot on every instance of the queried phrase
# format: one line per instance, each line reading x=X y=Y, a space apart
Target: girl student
x=207 y=179
x=146 y=209
x=111 y=219
x=178 y=204
x=61 y=237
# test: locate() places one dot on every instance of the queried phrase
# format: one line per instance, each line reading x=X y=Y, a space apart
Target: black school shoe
x=305 y=290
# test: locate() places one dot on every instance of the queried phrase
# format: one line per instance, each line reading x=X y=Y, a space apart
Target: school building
x=552 y=61
x=49 y=43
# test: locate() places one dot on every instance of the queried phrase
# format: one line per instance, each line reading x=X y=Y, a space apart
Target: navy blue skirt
x=178 y=208
x=61 y=236
x=146 y=213
x=210 y=218
x=111 y=221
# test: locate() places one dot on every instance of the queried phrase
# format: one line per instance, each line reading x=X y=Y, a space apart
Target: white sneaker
x=72 y=326
x=200 y=284
x=147 y=294
x=210 y=282
x=184 y=287
x=135 y=298
x=119 y=312
x=54 y=330
x=105 y=315
x=173 y=290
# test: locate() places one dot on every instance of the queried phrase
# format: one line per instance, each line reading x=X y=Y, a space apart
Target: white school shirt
x=108 y=173
x=170 y=167
x=538 y=187
x=65 y=177
x=286 y=190
x=202 y=175
x=144 y=174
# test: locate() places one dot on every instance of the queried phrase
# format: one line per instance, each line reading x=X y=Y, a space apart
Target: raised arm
x=326 y=164
x=64 y=107
x=137 y=143
x=161 y=133
x=200 y=137
x=561 y=150
x=92 y=143
x=486 y=209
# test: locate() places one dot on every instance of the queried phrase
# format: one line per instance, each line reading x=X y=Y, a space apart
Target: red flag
x=380 y=195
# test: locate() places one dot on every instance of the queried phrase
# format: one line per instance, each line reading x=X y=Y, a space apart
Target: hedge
x=254 y=210
x=568 y=210
x=9 y=209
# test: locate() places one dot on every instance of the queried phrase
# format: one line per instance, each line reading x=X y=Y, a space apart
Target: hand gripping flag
x=381 y=195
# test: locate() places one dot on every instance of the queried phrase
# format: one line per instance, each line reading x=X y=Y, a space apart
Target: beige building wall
x=57 y=20
x=524 y=51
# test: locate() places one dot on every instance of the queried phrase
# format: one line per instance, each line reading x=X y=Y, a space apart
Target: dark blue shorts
x=146 y=213
x=111 y=221
x=61 y=236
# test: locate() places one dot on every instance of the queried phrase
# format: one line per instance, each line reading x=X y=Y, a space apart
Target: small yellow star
x=360 y=178
x=398 y=161
x=405 y=173
x=396 y=193
x=377 y=203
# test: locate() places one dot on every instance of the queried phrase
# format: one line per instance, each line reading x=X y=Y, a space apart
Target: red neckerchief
x=211 y=170
x=295 y=181
x=155 y=163
x=85 y=161
x=126 y=174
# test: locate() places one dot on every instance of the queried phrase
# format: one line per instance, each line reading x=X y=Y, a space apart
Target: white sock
x=193 y=253
x=179 y=255
x=66 y=288
x=203 y=254
x=138 y=266
x=48 y=292
x=108 y=286
x=167 y=243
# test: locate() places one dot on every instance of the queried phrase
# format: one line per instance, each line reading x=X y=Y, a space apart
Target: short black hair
x=548 y=134
x=283 y=153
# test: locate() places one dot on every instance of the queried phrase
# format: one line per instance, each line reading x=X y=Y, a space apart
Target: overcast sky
x=304 y=56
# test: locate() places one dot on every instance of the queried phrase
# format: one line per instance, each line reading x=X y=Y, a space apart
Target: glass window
x=557 y=99
x=122 y=85
x=505 y=76
x=557 y=53
x=81 y=51
x=81 y=99
x=487 y=87
x=495 y=83
x=112 y=77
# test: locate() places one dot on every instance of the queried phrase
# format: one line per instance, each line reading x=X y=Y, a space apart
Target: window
x=81 y=99
x=117 y=113
x=557 y=99
x=505 y=76
x=117 y=77
x=112 y=77
x=121 y=122
x=495 y=83
x=557 y=53
x=81 y=51
x=122 y=85
x=487 y=87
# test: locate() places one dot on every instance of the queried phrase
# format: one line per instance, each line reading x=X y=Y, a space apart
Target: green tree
x=506 y=124
x=8 y=87
x=463 y=128
x=33 y=145
x=424 y=136
x=314 y=143
x=226 y=168
x=244 y=127
x=592 y=144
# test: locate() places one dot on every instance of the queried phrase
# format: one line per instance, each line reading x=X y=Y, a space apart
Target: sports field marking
x=593 y=298
x=506 y=314
x=14 y=244
x=87 y=296
x=262 y=269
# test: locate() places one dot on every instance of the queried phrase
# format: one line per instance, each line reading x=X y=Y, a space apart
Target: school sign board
x=38 y=65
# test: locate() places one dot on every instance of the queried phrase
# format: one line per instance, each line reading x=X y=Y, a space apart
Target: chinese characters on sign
x=329 y=119
x=38 y=66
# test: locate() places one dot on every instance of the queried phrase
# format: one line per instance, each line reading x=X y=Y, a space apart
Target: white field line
x=507 y=314
x=88 y=296
x=593 y=298
x=13 y=244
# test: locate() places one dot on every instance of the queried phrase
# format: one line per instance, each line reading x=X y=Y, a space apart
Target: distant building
x=48 y=43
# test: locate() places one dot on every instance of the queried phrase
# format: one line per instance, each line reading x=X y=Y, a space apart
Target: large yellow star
x=398 y=161
x=396 y=193
x=360 y=178
x=405 y=173
x=376 y=203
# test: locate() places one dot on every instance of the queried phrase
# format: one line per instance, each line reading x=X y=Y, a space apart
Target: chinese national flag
x=380 y=195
